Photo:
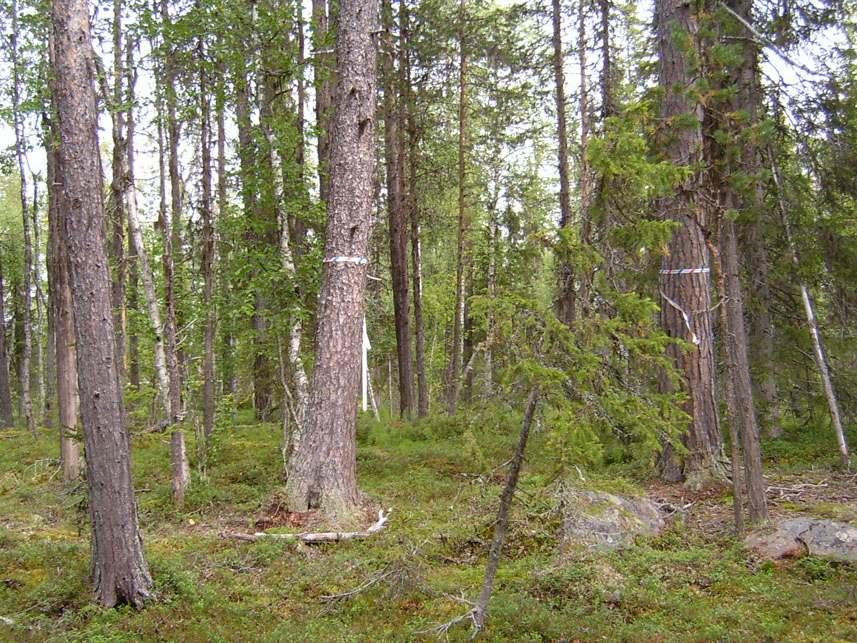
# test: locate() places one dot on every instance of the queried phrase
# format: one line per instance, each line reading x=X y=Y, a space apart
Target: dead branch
x=316 y=537
x=373 y=580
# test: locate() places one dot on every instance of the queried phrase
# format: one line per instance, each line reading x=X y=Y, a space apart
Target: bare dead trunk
x=322 y=464
x=119 y=572
x=456 y=356
x=397 y=217
x=684 y=278
x=812 y=321
x=495 y=552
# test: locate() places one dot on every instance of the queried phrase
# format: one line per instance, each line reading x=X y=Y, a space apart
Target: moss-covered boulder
x=598 y=520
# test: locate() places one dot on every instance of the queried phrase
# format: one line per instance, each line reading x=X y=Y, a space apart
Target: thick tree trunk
x=322 y=462
x=25 y=305
x=119 y=572
x=397 y=216
x=565 y=301
x=686 y=302
x=413 y=215
x=456 y=356
x=6 y=418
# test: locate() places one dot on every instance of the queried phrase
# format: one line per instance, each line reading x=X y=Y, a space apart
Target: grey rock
x=797 y=536
x=598 y=520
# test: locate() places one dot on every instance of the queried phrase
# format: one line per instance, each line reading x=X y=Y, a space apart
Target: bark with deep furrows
x=685 y=298
x=322 y=464
x=119 y=572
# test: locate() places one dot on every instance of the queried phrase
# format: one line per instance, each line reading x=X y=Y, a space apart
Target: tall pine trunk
x=119 y=572
x=397 y=216
x=684 y=279
x=411 y=208
x=322 y=462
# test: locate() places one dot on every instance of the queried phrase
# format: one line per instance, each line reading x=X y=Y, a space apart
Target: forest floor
x=442 y=478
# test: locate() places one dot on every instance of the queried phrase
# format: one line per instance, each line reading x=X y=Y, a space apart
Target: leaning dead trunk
x=119 y=572
x=322 y=465
x=812 y=321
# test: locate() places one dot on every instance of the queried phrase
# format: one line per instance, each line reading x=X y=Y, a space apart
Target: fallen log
x=316 y=537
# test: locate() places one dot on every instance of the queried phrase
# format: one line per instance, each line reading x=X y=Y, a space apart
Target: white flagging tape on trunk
x=686 y=271
x=693 y=337
x=360 y=261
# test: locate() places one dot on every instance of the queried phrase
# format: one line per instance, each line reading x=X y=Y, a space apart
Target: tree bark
x=456 y=357
x=736 y=343
x=133 y=267
x=208 y=374
x=322 y=464
x=25 y=306
x=171 y=227
x=686 y=302
x=118 y=186
x=566 y=301
x=748 y=100
x=815 y=334
x=413 y=214
x=227 y=340
x=119 y=572
x=323 y=72
x=397 y=216
x=6 y=418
